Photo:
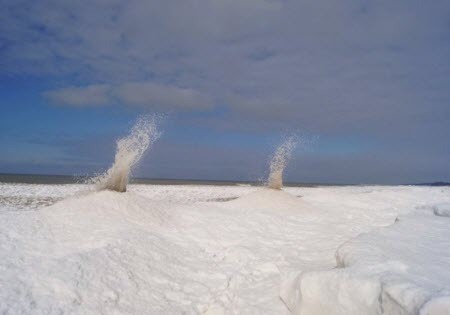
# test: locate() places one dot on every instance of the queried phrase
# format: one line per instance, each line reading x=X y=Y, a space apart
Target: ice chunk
x=400 y=269
x=442 y=210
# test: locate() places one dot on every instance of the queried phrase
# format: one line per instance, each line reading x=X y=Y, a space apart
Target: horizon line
x=135 y=180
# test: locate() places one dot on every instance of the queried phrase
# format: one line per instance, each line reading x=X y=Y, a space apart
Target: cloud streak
x=142 y=94
x=93 y=95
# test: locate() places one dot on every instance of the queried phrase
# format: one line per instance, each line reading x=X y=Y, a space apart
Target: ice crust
x=442 y=210
x=184 y=249
x=400 y=269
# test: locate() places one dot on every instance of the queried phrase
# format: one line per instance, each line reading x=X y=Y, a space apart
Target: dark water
x=65 y=179
x=39 y=179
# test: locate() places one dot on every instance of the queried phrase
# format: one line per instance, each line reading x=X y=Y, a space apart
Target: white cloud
x=318 y=64
x=93 y=95
x=144 y=94
x=163 y=96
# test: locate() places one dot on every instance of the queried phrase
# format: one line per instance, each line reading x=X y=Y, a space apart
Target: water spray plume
x=129 y=151
x=279 y=161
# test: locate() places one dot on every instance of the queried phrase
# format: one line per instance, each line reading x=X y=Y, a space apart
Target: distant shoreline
x=68 y=179
x=72 y=179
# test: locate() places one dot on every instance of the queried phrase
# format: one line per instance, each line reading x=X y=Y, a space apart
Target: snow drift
x=442 y=210
x=274 y=201
x=92 y=218
x=161 y=249
x=401 y=269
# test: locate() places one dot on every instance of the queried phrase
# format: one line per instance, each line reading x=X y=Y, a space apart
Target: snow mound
x=401 y=269
x=442 y=210
x=93 y=217
x=271 y=200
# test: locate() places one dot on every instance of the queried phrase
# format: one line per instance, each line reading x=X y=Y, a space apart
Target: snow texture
x=224 y=250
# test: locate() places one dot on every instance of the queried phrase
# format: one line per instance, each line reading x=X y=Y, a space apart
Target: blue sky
x=364 y=83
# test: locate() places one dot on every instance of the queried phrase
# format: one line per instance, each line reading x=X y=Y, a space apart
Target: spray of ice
x=129 y=151
x=279 y=161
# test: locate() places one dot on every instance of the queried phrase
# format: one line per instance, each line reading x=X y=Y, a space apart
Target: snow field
x=225 y=250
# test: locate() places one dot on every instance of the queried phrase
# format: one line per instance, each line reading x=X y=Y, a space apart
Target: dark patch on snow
x=223 y=199
x=442 y=210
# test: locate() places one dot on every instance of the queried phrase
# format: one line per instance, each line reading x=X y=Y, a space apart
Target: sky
x=364 y=84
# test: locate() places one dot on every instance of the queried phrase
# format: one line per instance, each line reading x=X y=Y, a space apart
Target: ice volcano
x=279 y=161
x=91 y=219
x=129 y=152
x=271 y=197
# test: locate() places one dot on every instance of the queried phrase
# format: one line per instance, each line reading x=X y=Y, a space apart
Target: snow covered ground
x=224 y=250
